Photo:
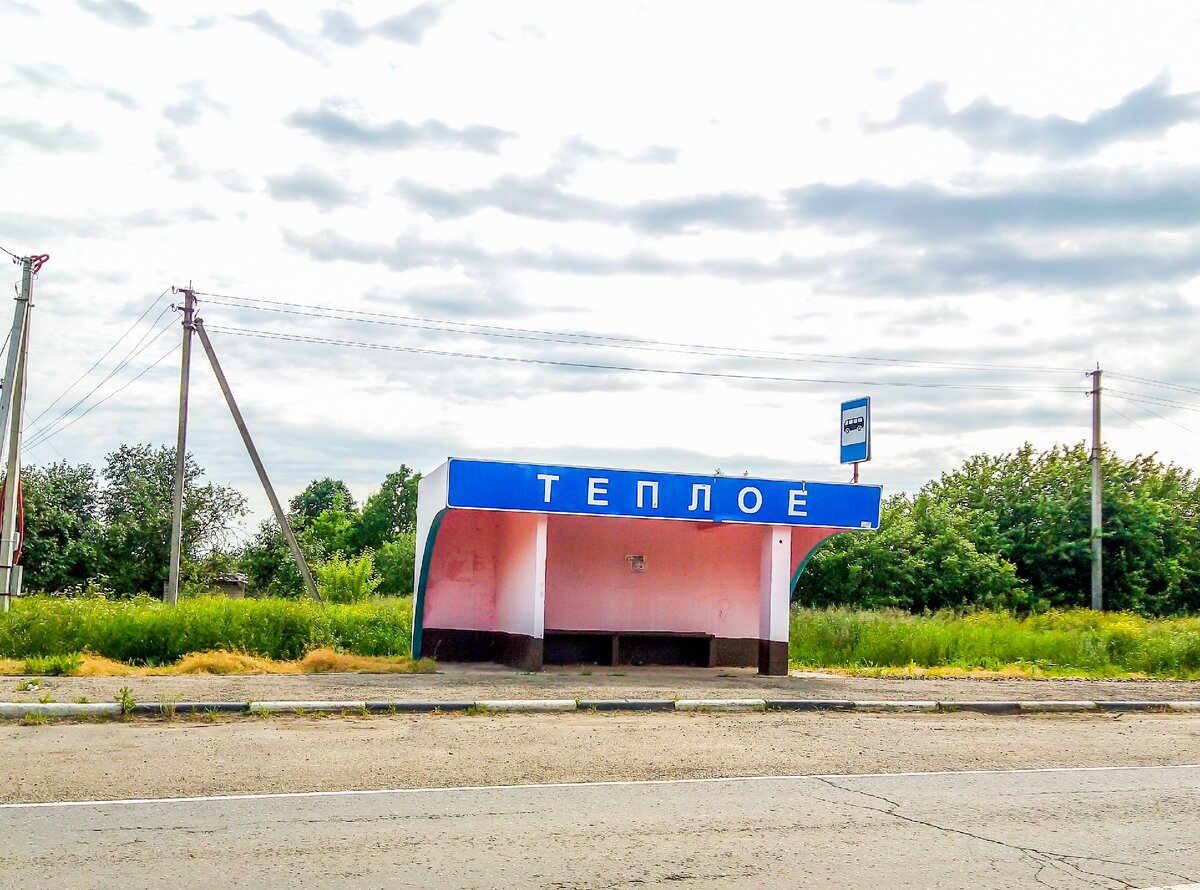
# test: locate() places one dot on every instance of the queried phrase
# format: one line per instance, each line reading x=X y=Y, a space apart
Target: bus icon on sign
x=854 y=423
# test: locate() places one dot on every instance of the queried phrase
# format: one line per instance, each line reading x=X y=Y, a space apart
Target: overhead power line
x=575 y=338
x=1152 y=400
x=138 y=348
x=1161 y=383
x=44 y=437
x=1150 y=410
x=96 y=364
x=1126 y=416
x=385 y=347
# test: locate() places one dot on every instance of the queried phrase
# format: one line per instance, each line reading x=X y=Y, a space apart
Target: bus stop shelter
x=528 y=564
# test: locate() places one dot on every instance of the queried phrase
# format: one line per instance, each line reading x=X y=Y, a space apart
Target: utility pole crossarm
x=280 y=516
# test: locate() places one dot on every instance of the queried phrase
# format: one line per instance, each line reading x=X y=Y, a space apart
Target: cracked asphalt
x=1107 y=828
x=977 y=825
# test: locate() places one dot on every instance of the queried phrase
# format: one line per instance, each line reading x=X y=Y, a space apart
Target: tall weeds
x=147 y=632
x=1075 y=642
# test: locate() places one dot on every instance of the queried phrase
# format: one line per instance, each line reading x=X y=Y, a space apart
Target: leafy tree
x=319 y=496
x=1014 y=530
x=389 y=512
x=328 y=525
x=331 y=531
x=267 y=563
x=395 y=562
x=919 y=559
x=135 y=506
x=62 y=528
x=1034 y=510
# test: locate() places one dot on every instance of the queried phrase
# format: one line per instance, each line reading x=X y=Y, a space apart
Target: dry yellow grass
x=97 y=666
x=220 y=662
x=326 y=660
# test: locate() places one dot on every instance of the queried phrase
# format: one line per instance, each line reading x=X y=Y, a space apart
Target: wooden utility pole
x=171 y=592
x=280 y=516
x=1097 y=496
x=13 y=417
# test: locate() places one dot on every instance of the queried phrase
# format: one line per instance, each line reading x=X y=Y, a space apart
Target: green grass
x=1056 y=643
x=147 y=632
x=49 y=632
x=53 y=665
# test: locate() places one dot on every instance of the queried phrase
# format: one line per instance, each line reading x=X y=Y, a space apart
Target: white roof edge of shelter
x=542 y=463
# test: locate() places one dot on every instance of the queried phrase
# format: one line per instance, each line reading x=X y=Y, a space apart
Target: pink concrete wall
x=487 y=572
x=462 y=573
x=699 y=577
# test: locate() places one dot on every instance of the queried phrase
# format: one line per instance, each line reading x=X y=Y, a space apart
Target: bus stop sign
x=856 y=430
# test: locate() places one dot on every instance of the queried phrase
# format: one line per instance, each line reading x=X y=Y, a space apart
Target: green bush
x=53 y=665
x=920 y=558
x=144 y=631
x=394 y=561
x=341 y=580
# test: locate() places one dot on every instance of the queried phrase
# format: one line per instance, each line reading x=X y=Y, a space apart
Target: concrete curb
x=896 y=706
x=297 y=707
x=419 y=707
x=720 y=704
x=520 y=706
x=21 y=710
x=1057 y=707
x=627 y=704
x=809 y=704
x=59 y=709
x=980 y=707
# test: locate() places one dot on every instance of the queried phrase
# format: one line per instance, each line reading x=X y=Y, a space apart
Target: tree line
x=1008 y=531
x=109 y=531
x=1013 y=531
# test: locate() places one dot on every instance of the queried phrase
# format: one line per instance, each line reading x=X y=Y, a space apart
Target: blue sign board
x=856 y=431
x=584 y=491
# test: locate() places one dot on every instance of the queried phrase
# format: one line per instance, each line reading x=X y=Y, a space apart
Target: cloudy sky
x=452 y=228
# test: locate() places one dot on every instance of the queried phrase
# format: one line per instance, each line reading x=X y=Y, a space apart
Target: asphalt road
x=1063 y=828
x=190 y=757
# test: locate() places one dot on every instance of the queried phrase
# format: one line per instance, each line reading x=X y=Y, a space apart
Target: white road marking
x=283 y=795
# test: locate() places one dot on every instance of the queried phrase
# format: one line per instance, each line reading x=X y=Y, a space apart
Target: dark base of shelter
x=516 y=650
x=773 y=658
x=605 y=648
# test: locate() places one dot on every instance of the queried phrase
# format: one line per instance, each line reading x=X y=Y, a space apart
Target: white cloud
x=668 y=172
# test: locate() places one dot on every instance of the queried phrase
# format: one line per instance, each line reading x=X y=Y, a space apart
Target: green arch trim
x=804 y=562
x=423 y=583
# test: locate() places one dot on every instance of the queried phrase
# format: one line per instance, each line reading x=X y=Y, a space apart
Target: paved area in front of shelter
x=478 y=682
